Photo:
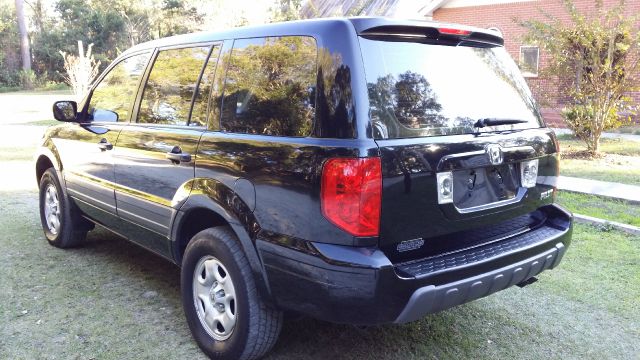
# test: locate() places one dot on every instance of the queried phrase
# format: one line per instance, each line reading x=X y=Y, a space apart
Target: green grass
x=569 y=143
x=625 y=170
x=603 y=208
x=42 y=123
x=620 y=163
x=43 y=91
x=88 y=303
x=15 y=153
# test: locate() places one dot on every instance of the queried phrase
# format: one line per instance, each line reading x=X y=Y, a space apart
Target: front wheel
x=226 y=315
x=61 y=221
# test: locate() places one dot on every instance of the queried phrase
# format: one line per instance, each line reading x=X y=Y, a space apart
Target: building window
x=529 y=60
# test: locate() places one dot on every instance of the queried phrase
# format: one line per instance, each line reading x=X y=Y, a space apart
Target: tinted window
x=112 y=99
x=201 y=100
x=169 y=90
x=423 y=89
x=270 y=86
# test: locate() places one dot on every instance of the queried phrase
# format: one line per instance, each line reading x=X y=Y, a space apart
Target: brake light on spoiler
x=454 y=31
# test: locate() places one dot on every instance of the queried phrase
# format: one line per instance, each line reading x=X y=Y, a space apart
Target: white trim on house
x=526 y=73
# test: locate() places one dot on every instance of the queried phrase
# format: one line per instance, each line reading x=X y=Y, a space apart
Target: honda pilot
x=359 y=170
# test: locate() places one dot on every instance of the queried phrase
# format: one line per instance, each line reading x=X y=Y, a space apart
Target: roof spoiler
x=412 y=30
x=444 y=34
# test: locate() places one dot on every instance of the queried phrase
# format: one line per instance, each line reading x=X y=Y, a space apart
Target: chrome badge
x=494 y=151
x=409 y=245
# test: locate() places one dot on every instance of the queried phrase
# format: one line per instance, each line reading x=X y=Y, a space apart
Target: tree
x=24 y=42
x=594 y=61
x=286 y=10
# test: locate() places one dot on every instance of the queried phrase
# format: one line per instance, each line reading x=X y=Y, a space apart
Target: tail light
x=350 y=194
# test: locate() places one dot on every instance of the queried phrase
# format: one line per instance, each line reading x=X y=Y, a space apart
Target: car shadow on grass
x=301 y=337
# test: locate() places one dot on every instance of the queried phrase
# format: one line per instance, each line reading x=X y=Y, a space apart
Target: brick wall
x=502 y=16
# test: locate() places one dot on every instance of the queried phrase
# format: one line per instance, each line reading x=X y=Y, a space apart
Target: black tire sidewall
x=204 y=244
x=49 y=177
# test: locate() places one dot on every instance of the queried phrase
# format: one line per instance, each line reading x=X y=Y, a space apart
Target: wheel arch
x=210 y=204
x=46 y=158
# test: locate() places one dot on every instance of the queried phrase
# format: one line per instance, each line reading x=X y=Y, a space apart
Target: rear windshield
x=420 y=89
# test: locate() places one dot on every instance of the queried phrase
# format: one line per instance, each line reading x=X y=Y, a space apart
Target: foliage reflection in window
x=111 y=100
x=168 y=93
x=201 y=100
x=270 y=86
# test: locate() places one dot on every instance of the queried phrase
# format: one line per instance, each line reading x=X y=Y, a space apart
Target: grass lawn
x=613 y=168
x=569 y=143
x=603 y=208
x=20 y=153
x=112 y=300
x=42 y=122
x=620 y=163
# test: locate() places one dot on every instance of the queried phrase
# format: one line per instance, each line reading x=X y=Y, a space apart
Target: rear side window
x=113 y=97
x=270 y=86
x=418 y=89
x=169 y=90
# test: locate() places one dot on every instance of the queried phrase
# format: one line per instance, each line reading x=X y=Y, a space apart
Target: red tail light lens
x=350 y=194
x=453 y=31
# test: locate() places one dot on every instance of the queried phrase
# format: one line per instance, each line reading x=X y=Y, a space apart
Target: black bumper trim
x=431 y=299
x=424 y=267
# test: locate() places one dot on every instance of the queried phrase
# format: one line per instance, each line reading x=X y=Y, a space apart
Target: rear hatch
x=456 y=126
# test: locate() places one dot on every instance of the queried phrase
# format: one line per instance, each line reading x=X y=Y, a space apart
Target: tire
x=61 y=221
x=214 y=259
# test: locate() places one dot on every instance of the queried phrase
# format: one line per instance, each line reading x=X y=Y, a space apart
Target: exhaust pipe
x=529 y=281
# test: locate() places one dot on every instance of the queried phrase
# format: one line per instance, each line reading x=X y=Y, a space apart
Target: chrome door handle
x=104 y=145
x=177 y=156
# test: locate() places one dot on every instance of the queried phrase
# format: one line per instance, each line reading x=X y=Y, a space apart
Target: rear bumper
x=430 y=299
x=361 y=286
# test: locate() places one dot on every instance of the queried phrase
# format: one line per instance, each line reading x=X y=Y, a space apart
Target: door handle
x=104 y=145
x=177 y=156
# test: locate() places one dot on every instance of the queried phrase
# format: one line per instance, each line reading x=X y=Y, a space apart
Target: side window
x=201 y=100
x=112 y=99
x=270 y=86
x=169 y=90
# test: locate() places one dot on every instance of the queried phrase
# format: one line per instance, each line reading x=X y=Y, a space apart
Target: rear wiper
x=494 y=121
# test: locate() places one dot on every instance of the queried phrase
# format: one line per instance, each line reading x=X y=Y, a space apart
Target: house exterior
x=502 y=14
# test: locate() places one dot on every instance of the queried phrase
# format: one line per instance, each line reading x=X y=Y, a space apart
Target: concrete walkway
x=601 y=188
x=630 y=137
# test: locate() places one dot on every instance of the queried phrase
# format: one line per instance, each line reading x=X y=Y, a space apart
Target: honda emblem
x=494 y=151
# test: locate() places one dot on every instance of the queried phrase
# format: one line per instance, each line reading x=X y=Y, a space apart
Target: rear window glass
x=270 y=86
x=428 y=90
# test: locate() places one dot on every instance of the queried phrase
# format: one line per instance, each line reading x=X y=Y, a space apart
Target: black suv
x=361 y=170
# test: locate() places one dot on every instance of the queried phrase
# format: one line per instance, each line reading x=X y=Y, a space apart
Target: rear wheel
x=227 y=316
x=61 y=221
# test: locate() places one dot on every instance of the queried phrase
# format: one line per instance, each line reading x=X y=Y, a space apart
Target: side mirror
x=65 y=110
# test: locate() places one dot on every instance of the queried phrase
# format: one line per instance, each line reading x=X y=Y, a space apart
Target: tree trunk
x=24 y=40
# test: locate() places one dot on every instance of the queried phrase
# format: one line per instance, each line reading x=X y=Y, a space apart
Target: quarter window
x=172 y=82
x=270 y=86
x=529 y=58
x=113 y=97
